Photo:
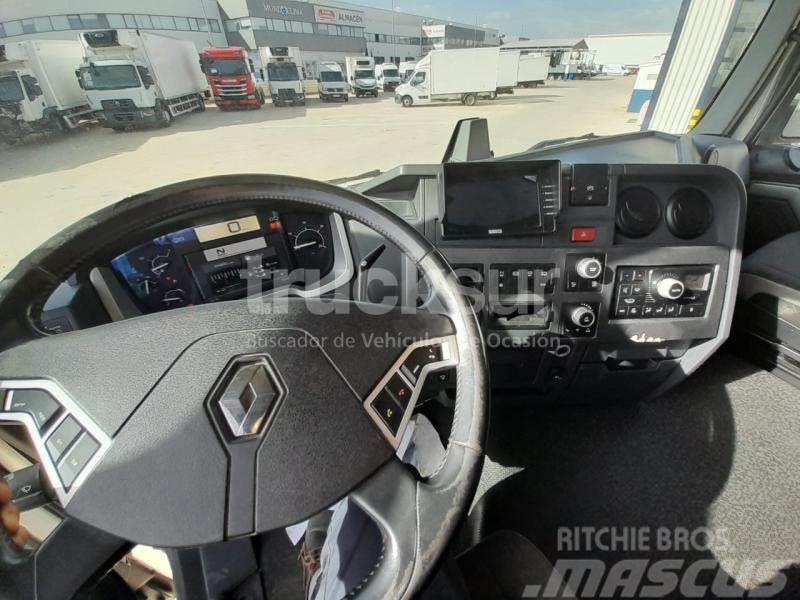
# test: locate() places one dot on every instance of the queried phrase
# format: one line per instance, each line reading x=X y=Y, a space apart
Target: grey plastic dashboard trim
x=39 y=439
x=449 y=359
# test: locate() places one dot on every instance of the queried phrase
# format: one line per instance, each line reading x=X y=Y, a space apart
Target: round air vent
x=689 y=213
x=638 y=212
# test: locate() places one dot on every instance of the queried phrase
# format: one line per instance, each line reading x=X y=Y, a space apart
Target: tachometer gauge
x=309 y=241
x=174 y=298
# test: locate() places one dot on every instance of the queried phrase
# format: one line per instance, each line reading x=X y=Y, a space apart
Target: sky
x=548 y=18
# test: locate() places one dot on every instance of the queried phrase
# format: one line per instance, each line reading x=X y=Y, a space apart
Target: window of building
x=214 y=26
x=296 y=26
x=116 y=21
x=13 y=28
x=160 y=22
x=203 y=24
x=279 y=24
x=2 y=31
x=193 y=24
x=74 y=21
x=379 y=60
x=94 y=21
x=35 y=25
x=143 y=22
x=307 y=28
x=258 y=23
x=182 y=23
x=130 y=21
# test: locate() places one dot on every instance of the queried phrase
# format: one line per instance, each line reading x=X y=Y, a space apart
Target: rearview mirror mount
x=470 y=141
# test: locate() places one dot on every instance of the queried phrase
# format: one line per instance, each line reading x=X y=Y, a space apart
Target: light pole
x=394 y=36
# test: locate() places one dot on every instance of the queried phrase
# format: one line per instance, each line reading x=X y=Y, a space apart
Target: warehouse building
x=614 y=51
x=195 y=20
x=331 y=31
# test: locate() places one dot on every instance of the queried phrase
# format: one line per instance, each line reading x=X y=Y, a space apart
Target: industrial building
x=329 y=30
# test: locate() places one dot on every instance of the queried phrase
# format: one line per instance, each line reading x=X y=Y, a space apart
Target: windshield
x=109 y=77
x=282 y=72
x=227 y=66
x=572 y=75
x=331 y=76
x=10 y=89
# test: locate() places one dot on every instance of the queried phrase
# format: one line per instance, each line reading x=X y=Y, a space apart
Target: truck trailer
x=532 y=69
x=361 y=76
x=284 y=75
x=507 y=72
x=464 y=75
x=232 y=78
x=135 y=78
x=331 y=83
x=38 y=91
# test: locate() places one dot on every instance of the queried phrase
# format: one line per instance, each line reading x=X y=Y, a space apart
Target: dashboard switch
x=583 y=234
x=62 y=437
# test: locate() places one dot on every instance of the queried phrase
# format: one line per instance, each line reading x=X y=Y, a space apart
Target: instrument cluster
x=228 y=259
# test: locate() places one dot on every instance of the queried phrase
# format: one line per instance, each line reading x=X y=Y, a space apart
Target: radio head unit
x=501 y=199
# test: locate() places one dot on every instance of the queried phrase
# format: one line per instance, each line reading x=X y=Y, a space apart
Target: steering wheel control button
x=400 y=390
x=419 y=358
x=63 y=436
x=37 y=403
x=388 y=410
x=76 y=459
x=247 y=399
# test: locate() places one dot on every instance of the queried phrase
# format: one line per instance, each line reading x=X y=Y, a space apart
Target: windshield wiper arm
x=559 y=141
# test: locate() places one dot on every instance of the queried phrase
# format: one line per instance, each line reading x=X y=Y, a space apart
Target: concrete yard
x=48 y=182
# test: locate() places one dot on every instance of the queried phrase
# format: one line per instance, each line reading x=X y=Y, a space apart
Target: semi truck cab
x=284 y=77
x=231 y=76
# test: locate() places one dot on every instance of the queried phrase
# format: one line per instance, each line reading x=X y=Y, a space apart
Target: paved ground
x=48 y=183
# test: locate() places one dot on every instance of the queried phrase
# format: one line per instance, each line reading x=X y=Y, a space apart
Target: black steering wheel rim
x=391 y=495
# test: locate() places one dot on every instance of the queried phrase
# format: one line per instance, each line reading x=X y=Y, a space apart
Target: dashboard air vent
x=689 y=213
x=638 y=212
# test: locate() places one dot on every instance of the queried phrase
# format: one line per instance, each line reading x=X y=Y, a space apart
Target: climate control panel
x=662 y=292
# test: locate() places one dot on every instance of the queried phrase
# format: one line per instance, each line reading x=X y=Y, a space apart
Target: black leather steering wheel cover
x=441 y=501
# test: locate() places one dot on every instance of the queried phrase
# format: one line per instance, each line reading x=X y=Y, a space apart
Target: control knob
x=670 y=288
x=582 y=316
x=589 y=268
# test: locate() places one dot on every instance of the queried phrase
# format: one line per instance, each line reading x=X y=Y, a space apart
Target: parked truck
x=464 y=75
x=407 y=69
x=331 y=83
x=507 y=71
x=533 y=69
x=232 y=78
x=387 y=76
x=135 y=79
x=361 y=76
x=38 y=91
x=284 y=75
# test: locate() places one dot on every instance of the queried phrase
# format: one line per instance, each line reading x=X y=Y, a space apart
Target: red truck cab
x=230 y=74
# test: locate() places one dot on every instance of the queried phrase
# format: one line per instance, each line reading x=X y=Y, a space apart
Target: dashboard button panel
x=37 y=403
x=76 y=459
x=662 y=292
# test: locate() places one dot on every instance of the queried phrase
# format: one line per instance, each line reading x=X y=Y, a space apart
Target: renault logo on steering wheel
x=244 y=400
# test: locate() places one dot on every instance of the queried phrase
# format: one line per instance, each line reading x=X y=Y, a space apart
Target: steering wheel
x=231 y=419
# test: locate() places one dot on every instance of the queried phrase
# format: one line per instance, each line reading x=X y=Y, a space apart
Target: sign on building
x=339 y=16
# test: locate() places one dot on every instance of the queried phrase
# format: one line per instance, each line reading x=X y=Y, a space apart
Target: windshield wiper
x=559 y=141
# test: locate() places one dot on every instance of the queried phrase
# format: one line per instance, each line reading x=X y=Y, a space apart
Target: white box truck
x=361 y=76
x=135 y=79
x=38 y=90
x=507 y=71
x=388 y=76
x=443 y=75
x=331 y=83
x=284 y=75
x=533 y=69
x=407 y=69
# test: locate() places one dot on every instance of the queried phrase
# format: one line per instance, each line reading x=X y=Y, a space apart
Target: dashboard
x=221 y=260
x=591 y=279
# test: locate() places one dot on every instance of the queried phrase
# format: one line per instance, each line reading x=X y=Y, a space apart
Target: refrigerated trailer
x=507 y=72
x=442 y=75
x=38 y=91
x=135 y=78
x=532 y=69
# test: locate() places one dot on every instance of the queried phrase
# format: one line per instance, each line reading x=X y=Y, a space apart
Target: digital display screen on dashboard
x=500 y=199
